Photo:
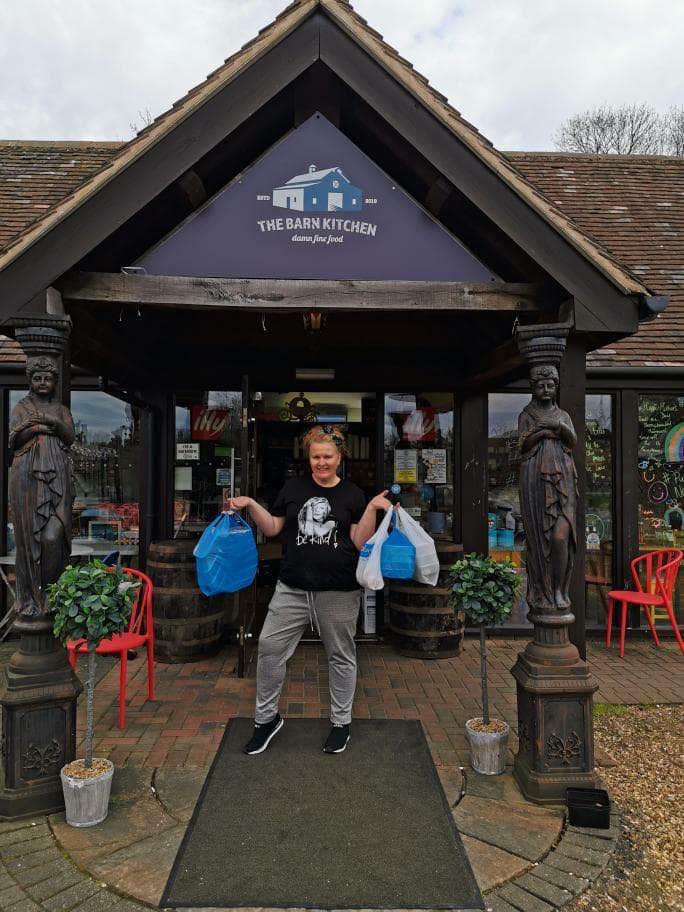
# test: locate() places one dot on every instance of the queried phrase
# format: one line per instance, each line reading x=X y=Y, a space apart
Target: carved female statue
x=40 y=487
x=548 y=490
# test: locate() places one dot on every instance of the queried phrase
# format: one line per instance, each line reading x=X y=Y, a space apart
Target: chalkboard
x=661 y=481
x=598 y=455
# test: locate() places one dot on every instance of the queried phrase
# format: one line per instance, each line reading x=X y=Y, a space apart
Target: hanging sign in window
x=187 y=451
x=208 y=423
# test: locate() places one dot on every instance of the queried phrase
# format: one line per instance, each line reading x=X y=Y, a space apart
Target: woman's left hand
x=381 y=502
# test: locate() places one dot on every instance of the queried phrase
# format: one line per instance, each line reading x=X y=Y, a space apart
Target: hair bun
x=324 y=433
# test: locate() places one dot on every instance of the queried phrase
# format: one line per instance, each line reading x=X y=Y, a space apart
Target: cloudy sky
x=85 y=69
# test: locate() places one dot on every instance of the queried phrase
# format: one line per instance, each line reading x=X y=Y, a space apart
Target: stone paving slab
x=141 y=869
x=491 y=866
x=556 y=896
x=524 y=830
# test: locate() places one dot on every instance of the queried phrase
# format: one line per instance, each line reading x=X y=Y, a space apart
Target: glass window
x=599 y=508
x=106 y=460
x=282 y=419
x=504 y=522
x=207 y=456
x=419 y=444
x=661 y=480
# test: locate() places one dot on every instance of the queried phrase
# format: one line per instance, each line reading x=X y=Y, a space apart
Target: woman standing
x=326 y=522
x=548 y=486
x=40 y=487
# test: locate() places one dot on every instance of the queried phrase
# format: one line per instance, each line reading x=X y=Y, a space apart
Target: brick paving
x=528 y=862
x=184 y=725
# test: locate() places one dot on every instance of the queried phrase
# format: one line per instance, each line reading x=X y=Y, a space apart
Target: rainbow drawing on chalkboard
x=673 y=448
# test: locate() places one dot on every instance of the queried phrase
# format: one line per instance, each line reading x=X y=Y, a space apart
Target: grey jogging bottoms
x=290 y=611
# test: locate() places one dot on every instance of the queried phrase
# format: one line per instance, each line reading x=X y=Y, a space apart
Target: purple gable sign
x=314 y=207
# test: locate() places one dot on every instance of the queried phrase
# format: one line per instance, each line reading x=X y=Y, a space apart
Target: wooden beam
x=273 y=295
x=496 y=367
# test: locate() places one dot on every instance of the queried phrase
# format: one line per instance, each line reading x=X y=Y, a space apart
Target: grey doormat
x=369 y=828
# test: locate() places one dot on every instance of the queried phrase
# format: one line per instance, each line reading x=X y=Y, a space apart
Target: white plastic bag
x=368 y=573
x=427 y=562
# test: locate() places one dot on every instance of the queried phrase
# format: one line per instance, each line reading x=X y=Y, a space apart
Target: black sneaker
x=337 y=739
x=263 y=733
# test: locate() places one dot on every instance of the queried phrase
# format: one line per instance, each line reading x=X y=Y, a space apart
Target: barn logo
x=321 y=193
x=328 y=190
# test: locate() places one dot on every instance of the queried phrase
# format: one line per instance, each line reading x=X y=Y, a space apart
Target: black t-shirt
x=319 y=554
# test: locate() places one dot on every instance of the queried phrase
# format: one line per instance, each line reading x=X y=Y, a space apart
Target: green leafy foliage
x=90 y=602
x=484 y=588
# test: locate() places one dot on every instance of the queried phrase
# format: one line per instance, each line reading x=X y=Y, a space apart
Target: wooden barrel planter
x=188 y=626
x=423 y=624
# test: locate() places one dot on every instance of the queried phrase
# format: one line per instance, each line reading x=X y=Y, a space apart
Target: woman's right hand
x=239 y=503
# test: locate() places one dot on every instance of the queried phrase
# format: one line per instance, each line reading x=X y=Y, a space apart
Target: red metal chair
x=654 y=575
x=140 y=633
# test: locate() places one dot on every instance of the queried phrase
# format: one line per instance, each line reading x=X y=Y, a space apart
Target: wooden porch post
x=471 y=488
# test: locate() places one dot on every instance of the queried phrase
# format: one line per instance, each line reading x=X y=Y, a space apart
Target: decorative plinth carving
x=39 y=692
x=554 y=687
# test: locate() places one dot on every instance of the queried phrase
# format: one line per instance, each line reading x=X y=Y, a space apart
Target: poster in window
x=183 y=478
x=420 y=426
x=185 y=451
x=224 y=477
x=435 y=462
x=406 y=466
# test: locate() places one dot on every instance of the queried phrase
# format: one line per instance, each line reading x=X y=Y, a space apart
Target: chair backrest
x=656 y=571
x=141 y=613
x=666 y=576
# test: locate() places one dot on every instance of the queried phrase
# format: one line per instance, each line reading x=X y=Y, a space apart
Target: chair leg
x=649 y=620
x=123 y=668
x=150 y=670
x=675 y=625
x=623 y=628
x=609 y=621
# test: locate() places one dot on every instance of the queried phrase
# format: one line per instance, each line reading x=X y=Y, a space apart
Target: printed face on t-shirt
x=315 y=524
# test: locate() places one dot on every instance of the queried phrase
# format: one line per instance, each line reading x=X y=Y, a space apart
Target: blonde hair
x=324 y=434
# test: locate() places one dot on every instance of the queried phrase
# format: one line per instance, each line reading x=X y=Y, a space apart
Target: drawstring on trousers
x=311 y=605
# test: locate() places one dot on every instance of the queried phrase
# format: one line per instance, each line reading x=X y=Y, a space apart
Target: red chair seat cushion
x=636 y=598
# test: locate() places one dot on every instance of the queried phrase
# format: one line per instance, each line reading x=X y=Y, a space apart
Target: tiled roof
x=34 y=176
x=633 y=205
x=344 y=16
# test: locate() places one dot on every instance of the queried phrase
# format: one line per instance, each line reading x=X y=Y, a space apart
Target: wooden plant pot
x=487 y=749
x=86 y=801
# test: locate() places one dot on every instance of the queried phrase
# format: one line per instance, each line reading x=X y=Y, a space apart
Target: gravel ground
x=646 y=874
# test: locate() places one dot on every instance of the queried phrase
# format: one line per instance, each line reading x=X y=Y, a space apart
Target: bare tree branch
x=673 y=123
x=633 y=129
x=142 y=120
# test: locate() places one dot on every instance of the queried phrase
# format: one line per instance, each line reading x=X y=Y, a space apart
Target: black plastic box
x=588 y=808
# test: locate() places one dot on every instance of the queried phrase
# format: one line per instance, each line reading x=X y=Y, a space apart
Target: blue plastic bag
x=226 y=555
x=398 y=557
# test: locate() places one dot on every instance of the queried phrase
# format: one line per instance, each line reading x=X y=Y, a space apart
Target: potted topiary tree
x=485 y=589
x=90 y=602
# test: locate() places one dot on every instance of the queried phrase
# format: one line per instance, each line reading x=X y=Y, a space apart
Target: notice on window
x=405 y=466
x=224 y=477
x=435 y=463
x=183 y=478
x=185 y=451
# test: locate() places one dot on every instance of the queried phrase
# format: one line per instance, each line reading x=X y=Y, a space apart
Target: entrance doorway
x=281 y=421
